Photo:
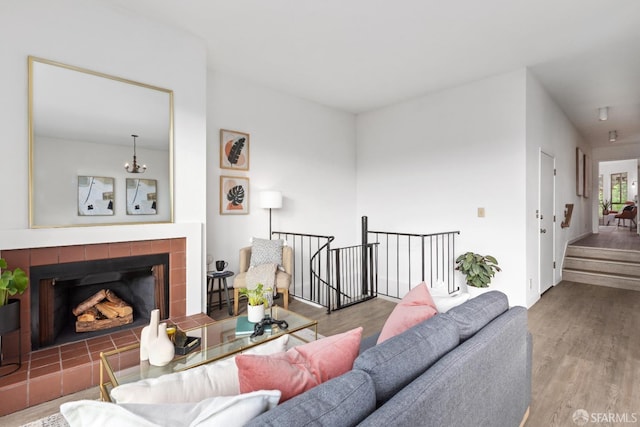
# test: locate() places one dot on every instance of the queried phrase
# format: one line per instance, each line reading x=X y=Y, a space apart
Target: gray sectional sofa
x=469 y=367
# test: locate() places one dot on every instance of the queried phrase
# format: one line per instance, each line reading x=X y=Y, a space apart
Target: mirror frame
x=31 y=61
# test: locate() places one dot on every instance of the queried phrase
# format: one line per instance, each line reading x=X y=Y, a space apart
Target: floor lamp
x=270 y=200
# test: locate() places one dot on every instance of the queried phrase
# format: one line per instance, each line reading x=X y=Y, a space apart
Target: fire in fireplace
x=63 y=297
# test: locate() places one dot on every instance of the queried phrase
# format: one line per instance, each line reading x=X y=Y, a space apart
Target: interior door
x=547 y=221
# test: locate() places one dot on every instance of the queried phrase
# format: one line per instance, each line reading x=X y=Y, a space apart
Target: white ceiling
x=359 y=55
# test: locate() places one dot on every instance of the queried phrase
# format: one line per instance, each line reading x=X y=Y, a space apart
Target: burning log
x=102 y=310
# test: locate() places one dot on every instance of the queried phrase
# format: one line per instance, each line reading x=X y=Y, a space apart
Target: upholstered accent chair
x=630 y=213
x=282 y=279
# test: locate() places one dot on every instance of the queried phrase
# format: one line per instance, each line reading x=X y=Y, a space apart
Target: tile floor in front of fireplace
x=57 y=371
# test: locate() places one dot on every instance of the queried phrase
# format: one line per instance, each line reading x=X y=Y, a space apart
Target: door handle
x=543 y=230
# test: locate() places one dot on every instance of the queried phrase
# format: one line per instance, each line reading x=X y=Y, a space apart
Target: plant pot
x=255 y=313
x=10 y=316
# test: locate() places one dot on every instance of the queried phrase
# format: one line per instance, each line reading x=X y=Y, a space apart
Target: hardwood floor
x=612 y=237
x=586 y=352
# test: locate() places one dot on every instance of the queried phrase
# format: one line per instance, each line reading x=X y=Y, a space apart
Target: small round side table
x=221 y=277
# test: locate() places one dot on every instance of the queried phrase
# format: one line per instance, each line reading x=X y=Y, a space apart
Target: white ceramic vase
x=255 y=313
x=144 y=335
x=155 y=345
x=161 y=349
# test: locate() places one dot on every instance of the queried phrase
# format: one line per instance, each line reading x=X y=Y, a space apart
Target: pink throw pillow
x=300 y=368
x=415 y=307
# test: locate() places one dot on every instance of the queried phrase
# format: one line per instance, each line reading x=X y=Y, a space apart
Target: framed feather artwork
x=234 y=195
x=234 y=150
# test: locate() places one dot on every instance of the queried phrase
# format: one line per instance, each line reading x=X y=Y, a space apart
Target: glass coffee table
x=218 y=340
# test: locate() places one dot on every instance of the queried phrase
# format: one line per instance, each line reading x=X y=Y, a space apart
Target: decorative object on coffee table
x=155 y=345
x=257 y=302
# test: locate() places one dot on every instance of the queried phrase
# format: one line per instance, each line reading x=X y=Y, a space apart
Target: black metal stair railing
x=311 y=267
x=407 y=259
x=385 y=263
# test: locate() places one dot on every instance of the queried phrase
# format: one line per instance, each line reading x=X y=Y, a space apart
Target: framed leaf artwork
x=234 y=150
x=234 y=195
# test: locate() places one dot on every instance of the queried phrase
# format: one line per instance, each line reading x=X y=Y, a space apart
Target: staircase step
x=603 y=253
x=602 y=279
x=602 y=266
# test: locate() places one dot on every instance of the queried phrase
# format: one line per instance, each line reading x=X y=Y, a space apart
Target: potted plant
x=477 y=269
x=606 y=207
x=257 y=301
x=11 y=283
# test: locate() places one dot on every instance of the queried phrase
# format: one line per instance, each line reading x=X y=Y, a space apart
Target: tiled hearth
x=53 y=372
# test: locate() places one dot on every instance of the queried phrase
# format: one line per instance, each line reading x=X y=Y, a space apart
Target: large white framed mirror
x=81 y=124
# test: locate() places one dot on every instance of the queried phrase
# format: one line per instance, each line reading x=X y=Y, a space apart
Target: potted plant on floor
x=478 y=271
x=257 y=301
x=11 y=283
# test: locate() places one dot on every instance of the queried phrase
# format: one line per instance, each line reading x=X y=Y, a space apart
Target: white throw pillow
x=444 y=300
x=227 y=411
x=446 y=303
x=193 y=385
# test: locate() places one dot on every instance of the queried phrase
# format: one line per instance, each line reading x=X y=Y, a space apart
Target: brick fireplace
x=59 y=370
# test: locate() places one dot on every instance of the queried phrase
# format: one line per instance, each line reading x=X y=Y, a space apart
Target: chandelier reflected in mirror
x=135 y=167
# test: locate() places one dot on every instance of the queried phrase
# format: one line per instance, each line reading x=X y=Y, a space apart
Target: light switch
x=480 y=212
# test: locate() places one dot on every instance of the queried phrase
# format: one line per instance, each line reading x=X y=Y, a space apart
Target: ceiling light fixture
x=135 y=167
x=613 y=135
x=603 y=113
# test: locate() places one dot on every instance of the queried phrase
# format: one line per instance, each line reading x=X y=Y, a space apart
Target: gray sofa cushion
x=342 y=401
x=476 y=313
x=483 y=382
x=394 y=363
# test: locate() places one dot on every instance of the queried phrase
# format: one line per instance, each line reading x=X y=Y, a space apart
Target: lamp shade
x=270 y=199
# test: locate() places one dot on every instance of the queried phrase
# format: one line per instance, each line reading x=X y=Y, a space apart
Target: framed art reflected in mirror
x=95 y=196
x=142 y=196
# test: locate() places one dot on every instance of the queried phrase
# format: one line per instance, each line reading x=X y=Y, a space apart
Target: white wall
x=114 y=42
x=427 y=165
x=303 y=149
x=60 y=162
x=549 y=130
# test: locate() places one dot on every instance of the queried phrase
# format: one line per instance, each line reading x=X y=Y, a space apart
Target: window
x=618 y=190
